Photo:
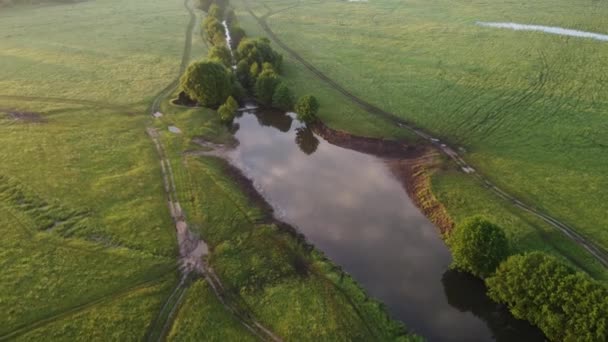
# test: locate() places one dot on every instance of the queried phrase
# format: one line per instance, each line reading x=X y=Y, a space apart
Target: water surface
x=547 y=29
x=351 y=207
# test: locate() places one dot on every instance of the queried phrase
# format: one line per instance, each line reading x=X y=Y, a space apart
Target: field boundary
x=595 y=250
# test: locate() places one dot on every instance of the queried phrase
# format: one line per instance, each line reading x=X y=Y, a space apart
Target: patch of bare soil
x=415 y=175
x=29 y=117
x=378 y=147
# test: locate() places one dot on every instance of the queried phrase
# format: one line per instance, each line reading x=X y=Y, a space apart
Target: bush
x=216 y=12
x=207 y=82
x=283 y=97
x=307 y=108
x=227 y=111
x=478 y=246
x=565 y=304
x=260 y=51
x=237 y=34
x=265 y=86
x=214 y=31
x=221 y=53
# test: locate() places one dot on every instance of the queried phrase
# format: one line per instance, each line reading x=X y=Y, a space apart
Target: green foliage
x=227 y=111
x=214 y=30
x=238 y=92
x=237 y=34
x=283 y=97
x=478 y=246
x=259 y=51
x=565 y=304
x=221 y=53
x=216 y=12
x=265 y=86
x=307 y=108
x=207 y=82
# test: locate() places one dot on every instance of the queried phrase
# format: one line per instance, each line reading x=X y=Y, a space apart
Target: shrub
x=221 y=53
x=207 y=82
x=265 y=85
x=237 y=34
x=216 y=12
x=214 y=31
x=565 y=304
x=283 y=97
x=478 y=246
x=307 y=108
x=260 y=51
x=227 y=111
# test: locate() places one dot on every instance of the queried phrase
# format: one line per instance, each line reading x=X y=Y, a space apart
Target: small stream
x=350 y=206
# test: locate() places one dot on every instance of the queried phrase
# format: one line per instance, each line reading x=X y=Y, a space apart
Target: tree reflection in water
x=306 y=140
x=467 y=294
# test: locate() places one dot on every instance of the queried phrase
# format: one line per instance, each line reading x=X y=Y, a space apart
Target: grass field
x=88 y=248
x=526 y=106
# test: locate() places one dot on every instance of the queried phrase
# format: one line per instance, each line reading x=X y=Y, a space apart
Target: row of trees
x=211 y=82
x=567 y=305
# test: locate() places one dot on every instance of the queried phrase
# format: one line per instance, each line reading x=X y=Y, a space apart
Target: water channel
x=350 y=206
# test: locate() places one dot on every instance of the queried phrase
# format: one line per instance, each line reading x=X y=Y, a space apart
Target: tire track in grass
x=595 y=250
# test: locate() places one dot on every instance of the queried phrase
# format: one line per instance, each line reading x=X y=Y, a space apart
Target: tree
x=216 y=12
x=283 y=97
x=565 y=304
x=478 y=246
x=207 y=82
x=307 y=108
x=265 y=86
x=243 y=74
x=227 y=111
x=214 y=30
x=221 y=54
x=260 y=51
x=237 y=34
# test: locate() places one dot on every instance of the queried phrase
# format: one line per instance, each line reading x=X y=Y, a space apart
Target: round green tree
x=307 y=108
x=221 y=53
x=265 y=85
x=207 y=82
x=478 y=246
x=282 y=97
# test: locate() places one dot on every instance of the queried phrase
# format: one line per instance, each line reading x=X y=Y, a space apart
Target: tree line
x=566 y=304
x=213 y=83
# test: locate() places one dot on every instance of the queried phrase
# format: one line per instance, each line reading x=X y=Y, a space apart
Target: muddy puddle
x=350 y=206
x=547 y=29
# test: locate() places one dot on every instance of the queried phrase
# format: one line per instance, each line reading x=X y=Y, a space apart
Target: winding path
x=595 y=250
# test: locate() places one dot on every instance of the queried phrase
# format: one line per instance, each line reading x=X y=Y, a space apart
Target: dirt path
x=192 y=249
x=596 y=251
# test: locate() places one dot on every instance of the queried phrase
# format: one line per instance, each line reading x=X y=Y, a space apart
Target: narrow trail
x=595 y=250
x=192 y=249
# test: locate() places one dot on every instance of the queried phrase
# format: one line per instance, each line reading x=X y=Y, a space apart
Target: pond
x=350 y=206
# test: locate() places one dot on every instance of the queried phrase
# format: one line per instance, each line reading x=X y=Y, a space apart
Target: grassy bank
x=429 y=63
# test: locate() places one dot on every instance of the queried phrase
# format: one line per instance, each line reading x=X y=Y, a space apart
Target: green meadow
x=528 y=108
x=89 y=249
